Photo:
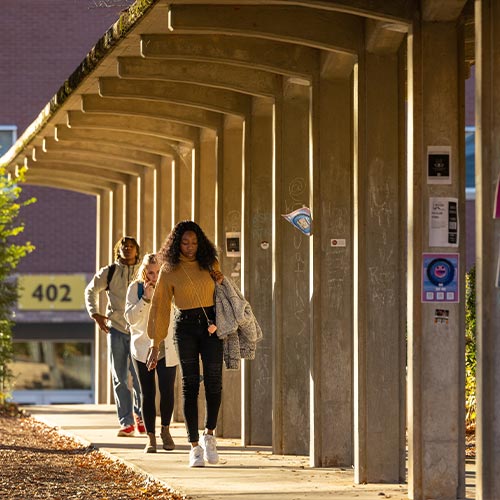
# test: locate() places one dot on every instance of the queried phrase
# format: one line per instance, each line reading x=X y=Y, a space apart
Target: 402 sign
x=45 y=292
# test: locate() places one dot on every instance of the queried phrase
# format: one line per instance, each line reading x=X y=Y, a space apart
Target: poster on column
x=439 y=165
x=440 y=277
x=443 y=222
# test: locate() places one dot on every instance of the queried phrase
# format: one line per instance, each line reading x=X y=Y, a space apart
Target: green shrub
x=470 y=349
x=11 y=252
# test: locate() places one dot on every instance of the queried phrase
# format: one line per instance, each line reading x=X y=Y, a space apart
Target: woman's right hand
x=149 y=289
x=152 y=359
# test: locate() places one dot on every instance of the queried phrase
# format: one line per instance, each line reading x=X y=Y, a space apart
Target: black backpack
x=111 y=271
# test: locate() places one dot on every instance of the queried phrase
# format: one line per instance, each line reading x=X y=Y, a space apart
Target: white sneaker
x=196 y=457
x=209 y=445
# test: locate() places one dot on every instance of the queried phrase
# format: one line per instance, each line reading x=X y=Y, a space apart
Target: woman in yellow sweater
x=187 y=277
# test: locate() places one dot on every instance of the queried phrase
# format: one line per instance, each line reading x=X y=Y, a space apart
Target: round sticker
x=440 y=272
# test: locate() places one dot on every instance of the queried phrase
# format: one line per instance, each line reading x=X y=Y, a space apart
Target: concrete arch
x=178 y=113
x=69 y=181
x=137 y=156
x=266 y=55
x=313 y=30
x=67 y=185
x=85 y=158
x=211 y=99
x=139 y=125
x=122 y=139
x=85 y=173
x=219 y=75
x=400 y=12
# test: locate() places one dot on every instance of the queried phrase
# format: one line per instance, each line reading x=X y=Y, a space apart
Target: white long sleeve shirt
x=115 y=306
x=136 y=314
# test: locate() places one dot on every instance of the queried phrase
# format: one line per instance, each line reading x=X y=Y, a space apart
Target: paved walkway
x=244 y=473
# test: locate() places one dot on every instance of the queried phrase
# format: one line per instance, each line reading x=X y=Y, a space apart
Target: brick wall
x=42 y=42
x=62 y=226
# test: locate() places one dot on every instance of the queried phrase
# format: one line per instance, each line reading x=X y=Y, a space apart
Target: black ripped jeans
x=193 y=340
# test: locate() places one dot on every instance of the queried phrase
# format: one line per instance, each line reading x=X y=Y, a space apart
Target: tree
x=11 y=252
x=470 y=350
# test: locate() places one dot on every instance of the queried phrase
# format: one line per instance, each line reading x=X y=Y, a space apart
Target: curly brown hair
x=169 y=253
x=120 y=242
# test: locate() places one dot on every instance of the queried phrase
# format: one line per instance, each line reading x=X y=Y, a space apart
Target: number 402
x=52 y=293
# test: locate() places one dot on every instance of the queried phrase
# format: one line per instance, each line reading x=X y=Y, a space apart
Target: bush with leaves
x=11 y=252
x=470 y=350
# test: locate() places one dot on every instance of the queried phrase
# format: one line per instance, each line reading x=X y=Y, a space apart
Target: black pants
x=166 y=380
x=193 y=340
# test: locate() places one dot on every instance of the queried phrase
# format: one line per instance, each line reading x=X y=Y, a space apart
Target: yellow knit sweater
x=175 y=285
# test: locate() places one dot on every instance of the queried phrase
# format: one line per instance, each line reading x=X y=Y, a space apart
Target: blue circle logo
x=440 y=272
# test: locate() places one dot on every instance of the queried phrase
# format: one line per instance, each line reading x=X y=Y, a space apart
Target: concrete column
x=378 y=395
x=104 y=257
x=229 y=198
x=435 y=350
x=291 y=329
x=132 y=208
x=184 y=171
x=147 y=209
x=332 y=421
x=164 y=205
x=206 y=185
x=487 y=249
x=257 y=272
x=118 y=227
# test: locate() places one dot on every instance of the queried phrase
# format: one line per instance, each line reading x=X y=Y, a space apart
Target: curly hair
x=120 y=242
x=169 y=253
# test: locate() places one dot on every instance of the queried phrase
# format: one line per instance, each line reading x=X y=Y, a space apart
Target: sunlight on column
x=138 y=209
x=173 y=193
x=355 y=257
x=193 y=184
x=155 y=209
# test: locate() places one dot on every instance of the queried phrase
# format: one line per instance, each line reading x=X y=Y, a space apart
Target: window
x=470 y=149
x=8 y=136
x=41 y=364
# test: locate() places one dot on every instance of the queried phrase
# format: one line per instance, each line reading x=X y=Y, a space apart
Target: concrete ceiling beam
x=198 y=96
x=125 y=140
x=71 y=178
x=137 y=124
x=104 y=150
x=219 y=75
x=395 y=10
x=178 y=113
x=89 y=158
x=381 y=39
x=267 y=55
x=335 y=65
x=76 y=169
x=300 y=25
x=66 y=185
x=442 y=10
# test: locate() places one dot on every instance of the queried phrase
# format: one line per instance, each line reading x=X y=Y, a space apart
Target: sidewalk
x=243 y=472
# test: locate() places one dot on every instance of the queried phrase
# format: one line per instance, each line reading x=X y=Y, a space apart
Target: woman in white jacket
x=137 y=307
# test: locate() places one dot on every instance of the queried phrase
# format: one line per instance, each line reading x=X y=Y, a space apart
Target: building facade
x=54 y=337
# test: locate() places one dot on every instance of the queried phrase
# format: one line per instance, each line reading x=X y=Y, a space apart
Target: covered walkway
x=236 y=112
x=244 y=473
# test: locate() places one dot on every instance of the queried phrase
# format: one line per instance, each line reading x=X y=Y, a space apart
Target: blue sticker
x=301 y=219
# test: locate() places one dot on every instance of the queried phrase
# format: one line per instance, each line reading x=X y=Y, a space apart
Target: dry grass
x=37 y=462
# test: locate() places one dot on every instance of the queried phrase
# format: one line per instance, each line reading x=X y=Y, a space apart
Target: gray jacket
x=117 y=293
x=236 y=324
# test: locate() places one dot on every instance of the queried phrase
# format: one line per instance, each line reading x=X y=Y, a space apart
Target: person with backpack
x=115 y=279
x=138 y=303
